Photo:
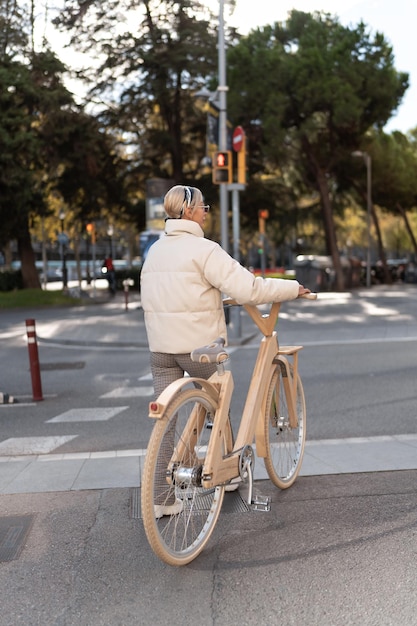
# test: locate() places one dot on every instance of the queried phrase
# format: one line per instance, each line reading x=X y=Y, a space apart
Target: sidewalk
x=123 y=468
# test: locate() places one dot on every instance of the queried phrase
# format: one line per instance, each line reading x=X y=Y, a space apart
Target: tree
x=28 y=91
x=395 y=183
x=315 y=87
x=153 y=56
x=48 y=143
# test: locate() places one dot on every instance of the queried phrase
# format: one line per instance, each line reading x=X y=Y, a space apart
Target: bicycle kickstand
x=247 y=469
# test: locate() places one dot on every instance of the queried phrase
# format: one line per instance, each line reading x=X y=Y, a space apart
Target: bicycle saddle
x=213 y=353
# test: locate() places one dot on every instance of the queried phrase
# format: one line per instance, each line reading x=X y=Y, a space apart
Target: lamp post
x=368 y=162
x=63 y=241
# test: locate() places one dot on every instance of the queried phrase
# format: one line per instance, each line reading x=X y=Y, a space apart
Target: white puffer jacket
x=183 y=281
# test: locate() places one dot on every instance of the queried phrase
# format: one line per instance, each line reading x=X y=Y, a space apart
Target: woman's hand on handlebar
x=302 y=290
x=306 y=293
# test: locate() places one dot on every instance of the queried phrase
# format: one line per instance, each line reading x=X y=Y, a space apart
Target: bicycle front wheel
x=284 y=445
x=179 y=515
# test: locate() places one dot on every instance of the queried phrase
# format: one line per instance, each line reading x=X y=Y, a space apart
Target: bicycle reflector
x=222 y=167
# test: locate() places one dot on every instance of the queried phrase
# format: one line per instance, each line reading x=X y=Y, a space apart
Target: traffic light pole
x=222 y=89
x=235 y=323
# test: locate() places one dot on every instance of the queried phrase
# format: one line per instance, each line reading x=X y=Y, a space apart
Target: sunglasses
x=205 y=207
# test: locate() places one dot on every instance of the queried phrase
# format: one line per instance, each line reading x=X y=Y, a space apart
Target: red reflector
x=153 y=406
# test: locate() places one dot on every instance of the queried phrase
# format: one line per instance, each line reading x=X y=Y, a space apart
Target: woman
x=183 y=280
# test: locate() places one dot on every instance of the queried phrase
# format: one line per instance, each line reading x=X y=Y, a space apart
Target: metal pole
x=235 y=325
x=94 y=267
x=64 y=255
x=222 y=89
x=368 y=162
x=44 y=259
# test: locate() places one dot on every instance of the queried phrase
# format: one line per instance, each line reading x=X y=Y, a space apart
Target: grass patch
x=30 y=298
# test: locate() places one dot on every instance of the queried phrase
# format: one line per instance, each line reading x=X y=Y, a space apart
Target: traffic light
x=91 y=230
x=222 y=167
x=241 y=163
x=263 y=215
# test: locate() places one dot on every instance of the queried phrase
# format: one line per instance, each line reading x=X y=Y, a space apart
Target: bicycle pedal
x=261 y=503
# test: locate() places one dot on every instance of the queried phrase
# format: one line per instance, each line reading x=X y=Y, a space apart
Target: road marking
x=98 y=414
x=72 y=456
x=128 y=392
x=17 y=446
x=146 y=377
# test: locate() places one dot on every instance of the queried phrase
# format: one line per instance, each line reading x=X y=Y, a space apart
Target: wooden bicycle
x=191 y=456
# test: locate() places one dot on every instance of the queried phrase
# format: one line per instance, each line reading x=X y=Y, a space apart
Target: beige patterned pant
x=166 y=368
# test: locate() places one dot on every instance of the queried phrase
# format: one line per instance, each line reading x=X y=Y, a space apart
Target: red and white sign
x=238 y=138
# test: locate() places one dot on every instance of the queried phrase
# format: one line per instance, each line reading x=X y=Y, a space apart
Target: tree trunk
x=330 y=228
x=408 y=227
x=382 y=255
x=27 y=258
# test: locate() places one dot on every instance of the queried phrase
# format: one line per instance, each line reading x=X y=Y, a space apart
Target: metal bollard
x=35 y=370
x=128 y=282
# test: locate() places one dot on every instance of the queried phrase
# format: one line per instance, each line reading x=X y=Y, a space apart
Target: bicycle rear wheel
x=284 y=445
x=172 y=476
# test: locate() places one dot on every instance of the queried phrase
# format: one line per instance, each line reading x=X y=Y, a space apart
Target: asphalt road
x=96 y=358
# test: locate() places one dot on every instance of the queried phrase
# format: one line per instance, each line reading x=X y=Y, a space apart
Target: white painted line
x=98 y=414
x=129 y=392
x=146 y=377
x=18 y=446
x=356 y=440
x=16 y=404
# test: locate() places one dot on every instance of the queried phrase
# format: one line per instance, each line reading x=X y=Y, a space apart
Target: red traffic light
x=222 y=159
x=223 y=167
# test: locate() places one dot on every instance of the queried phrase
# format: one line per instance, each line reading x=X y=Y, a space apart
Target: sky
x=396 y=19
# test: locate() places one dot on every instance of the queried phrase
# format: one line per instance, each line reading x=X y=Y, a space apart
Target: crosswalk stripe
x=96 y=414
x=129 y=392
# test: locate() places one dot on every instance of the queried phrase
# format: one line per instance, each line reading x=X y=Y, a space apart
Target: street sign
x=238 y=138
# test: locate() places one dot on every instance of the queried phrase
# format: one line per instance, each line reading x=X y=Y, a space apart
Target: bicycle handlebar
x=306 y=296
x=266 y=323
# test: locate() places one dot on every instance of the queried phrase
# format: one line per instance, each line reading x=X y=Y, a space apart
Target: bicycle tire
x=179 y=538
x=284 y=445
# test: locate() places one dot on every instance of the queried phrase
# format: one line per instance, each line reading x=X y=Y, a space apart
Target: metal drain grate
x=134 y=507
x=13 y=533
x=232 y=503
x=75 y=365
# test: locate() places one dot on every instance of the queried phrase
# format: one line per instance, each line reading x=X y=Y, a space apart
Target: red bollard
x=35 y=370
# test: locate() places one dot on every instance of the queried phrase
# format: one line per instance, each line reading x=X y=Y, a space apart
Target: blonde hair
x=179 y=198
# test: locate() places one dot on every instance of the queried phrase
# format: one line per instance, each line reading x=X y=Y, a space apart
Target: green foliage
x=161 y=55
x=308 y=90
x=35 y=298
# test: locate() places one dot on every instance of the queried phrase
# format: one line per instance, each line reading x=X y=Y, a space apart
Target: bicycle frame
x=218 y=469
